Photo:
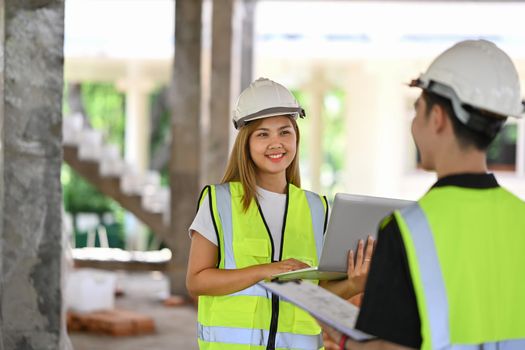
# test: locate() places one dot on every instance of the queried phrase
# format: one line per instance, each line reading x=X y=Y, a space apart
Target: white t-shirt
x=272 y=205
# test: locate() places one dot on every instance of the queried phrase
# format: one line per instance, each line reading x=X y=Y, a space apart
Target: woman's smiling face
x=273 y=145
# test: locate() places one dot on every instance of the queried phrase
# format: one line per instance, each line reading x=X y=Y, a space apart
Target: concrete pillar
x=137 y=144
x=362 y=123
x=137 y=134
x=31 y=81
x=2 y=117
x=225 y=77
x=316 y=89
x=185 y=162
x=247 y=43
x=75 y=103
x=377 y=128
x=394 y=108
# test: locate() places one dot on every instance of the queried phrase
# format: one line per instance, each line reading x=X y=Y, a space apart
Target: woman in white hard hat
x=257 y=223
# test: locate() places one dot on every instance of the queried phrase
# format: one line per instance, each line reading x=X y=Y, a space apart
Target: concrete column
x=248 y=38
x=316 y=88
x=137 y=134
x=31 y=83
x=362 y=123
x=2 y=117
x=394 y=108
x=225 y=77
x=137 y=144
x=377 y=128
x=186 y=142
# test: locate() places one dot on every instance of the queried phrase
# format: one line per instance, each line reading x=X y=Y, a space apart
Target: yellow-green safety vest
x=466 y=256
x=253 y=318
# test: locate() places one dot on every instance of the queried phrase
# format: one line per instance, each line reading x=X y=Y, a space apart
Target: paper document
x=320 y=303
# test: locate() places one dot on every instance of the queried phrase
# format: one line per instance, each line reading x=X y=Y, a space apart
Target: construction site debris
x=116 y=322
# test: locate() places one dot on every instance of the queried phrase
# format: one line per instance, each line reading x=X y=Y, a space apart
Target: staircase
x=101 y=164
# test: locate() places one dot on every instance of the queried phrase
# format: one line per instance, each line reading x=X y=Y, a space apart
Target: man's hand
x=358 y=268
x=334 y=334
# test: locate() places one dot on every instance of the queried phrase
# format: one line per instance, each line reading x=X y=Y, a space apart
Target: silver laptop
x=353 y=217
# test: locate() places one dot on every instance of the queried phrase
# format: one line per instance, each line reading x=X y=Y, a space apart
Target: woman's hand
x=204 y=278
x=269 y=270
x=358 y=268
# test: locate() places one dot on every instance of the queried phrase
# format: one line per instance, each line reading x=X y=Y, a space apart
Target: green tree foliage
x=104 y=107
x=105 y=110
x=160 y=126
x=502 y=151
x=161 y=119
x=333 y=140
x=80 y=196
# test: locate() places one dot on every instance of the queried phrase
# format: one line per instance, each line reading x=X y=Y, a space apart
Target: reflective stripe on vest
x=431 y=277
x=515 y=344
x=318 y=221
x=435 y=297
x=258 y=337
x=224 y=207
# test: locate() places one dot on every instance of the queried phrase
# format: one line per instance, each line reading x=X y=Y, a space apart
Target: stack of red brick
x=111 y=322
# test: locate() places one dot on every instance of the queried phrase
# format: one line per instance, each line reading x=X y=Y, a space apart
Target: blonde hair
x=242 y=168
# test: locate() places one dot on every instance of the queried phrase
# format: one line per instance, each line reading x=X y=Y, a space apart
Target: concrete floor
x=176 y=326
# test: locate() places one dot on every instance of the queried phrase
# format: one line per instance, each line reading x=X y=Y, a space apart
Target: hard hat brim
x=424 y=84
x=270 y=112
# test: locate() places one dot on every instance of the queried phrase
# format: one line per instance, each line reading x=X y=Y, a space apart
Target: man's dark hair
x=465 y=135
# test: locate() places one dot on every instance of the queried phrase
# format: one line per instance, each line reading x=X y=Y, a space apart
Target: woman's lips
x=275 y=157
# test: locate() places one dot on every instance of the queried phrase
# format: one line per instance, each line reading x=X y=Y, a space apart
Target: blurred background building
x=148 y=86
x=346 y=61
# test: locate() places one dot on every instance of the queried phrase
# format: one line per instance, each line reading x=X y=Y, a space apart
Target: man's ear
x=438 y=118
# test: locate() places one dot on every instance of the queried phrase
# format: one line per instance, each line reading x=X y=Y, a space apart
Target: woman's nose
x=275 y=145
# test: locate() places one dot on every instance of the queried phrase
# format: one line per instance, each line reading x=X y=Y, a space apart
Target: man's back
x=477 y=234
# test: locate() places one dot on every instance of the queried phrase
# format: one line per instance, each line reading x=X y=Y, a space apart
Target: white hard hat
x=262 y=99
x=475 y=73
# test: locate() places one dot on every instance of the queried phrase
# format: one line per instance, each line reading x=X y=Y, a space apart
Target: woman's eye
x=262 y=134
x=285 y=132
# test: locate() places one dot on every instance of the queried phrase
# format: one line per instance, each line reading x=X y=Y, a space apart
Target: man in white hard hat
x=449 y=272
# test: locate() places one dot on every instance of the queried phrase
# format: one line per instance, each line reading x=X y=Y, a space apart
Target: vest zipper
x=273 y=323
x=275 y=299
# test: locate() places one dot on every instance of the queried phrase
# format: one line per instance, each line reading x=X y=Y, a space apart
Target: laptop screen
x=353 y=217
